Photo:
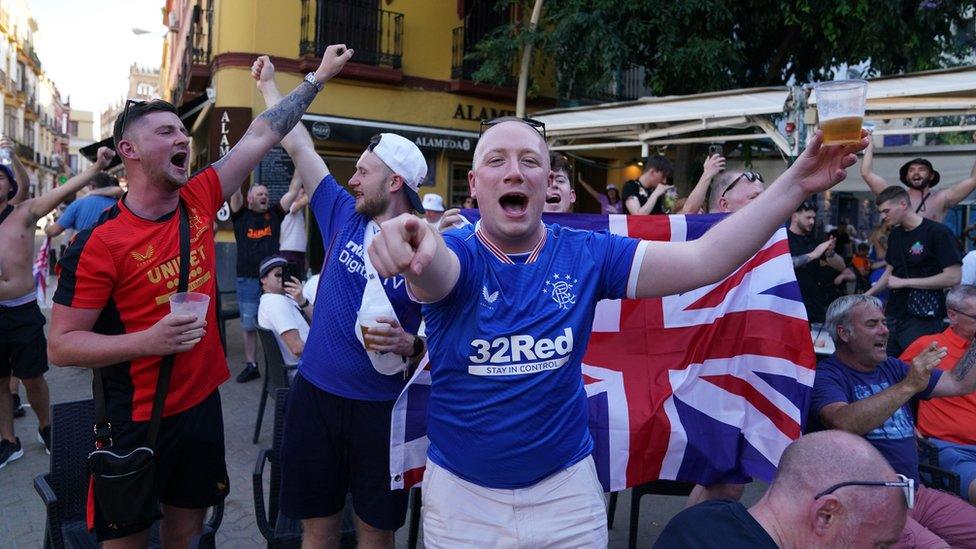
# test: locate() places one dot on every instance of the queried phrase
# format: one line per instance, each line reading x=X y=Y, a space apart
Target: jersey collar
x=497 y=252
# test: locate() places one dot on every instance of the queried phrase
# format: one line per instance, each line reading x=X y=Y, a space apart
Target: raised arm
x=20 y=173
x=236 y=200
x=675 y=267
x=273 y=124
x=961 y=380
x=863 y=416
x=713 y=166
x=309 y=166
x=586 y=187
x=289 y=197
x=958 y=192
x=875 y=182
x=42 y=205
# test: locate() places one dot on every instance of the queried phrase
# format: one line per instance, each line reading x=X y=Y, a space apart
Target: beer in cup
x=840 y=109
x=191 y=304
x=366 y=318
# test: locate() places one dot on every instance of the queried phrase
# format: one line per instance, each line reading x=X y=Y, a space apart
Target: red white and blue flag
x=707 y=386
x=39 y=270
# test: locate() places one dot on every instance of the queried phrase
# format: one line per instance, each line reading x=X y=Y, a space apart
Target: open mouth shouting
x=553 y=199
x=179 y=160
x=514 y=204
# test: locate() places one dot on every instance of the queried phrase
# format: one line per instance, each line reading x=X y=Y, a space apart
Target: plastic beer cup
x=192 y=304
x=840 y=109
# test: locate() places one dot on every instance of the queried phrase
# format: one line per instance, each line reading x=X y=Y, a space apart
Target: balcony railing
x=464 y=69
x=197 y=49
x=376 y=35
x=627 y=85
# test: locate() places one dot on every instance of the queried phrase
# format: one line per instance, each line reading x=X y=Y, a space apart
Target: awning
x=188 y=111
x=658 y=120
x=681 y=119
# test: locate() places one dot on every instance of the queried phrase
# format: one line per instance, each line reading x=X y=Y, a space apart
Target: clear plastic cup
x=840 y=109
x=190 y=303
x=367 y=318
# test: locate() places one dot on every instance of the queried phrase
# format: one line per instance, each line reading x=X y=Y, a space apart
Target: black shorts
x=190 y=468
x=23 y=348
x=333 y=446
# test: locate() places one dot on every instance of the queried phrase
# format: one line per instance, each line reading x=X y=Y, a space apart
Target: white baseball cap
x=403 y=157
x=433 y=202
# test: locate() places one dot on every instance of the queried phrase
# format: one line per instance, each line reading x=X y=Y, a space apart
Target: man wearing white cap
x=337 y=428
x=433 y=209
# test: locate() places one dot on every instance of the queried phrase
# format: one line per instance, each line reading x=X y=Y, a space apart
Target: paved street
x=22 y=514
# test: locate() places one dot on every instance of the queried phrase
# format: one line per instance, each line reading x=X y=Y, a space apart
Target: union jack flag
x=39 y=270
x=707 y=386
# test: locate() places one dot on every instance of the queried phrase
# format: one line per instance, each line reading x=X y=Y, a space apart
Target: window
x=73 y=162
x=10 y=124
x=73 y=128
x=459 y=189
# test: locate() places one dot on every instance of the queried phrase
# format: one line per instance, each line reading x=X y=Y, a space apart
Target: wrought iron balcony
x=375 y=35
x=462 y=43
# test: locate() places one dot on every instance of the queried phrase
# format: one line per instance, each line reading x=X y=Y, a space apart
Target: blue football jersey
x=334 y=359
x=507 y=404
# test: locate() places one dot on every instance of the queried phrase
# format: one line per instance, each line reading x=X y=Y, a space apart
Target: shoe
x=249 y=372
x=19 y=410
x=44 y=436
x=9 y=451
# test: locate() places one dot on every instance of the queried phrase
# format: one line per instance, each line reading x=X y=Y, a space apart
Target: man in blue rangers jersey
x=509 y=305
x=337 y=425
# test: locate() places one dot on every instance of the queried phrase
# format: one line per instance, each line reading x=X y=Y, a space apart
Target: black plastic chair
x=653 y=488
x=64 y=490
x=931 y=473
x=227 y=309
x=279 y=531
x=275 y=375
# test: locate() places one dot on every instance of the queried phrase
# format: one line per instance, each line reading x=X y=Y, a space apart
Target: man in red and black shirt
x=111 y=309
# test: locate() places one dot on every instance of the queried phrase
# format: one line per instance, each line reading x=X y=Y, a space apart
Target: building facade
x=33 y=114
x=81 y=128
x=143 y=86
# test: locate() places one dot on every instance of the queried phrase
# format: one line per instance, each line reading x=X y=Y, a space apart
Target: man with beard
x=509 y=308
x=816 y=263
x=921 y=262
x=920 y=178
x=560 y=195
x=257 y=231
x=112 y=311
x=337 y=429
x=860 y=389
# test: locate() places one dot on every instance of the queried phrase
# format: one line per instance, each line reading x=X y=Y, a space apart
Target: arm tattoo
x=800 y=260
x=965 y=364
x=288 y=112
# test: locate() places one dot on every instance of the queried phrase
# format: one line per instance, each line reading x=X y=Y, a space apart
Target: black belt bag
x=124 y=479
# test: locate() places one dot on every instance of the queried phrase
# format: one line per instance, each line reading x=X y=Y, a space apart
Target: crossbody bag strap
x=103 y=429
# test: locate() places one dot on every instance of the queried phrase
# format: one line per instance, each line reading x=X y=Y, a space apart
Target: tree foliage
x=691 y=46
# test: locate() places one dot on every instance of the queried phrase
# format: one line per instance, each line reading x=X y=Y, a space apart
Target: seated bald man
x=832 y=489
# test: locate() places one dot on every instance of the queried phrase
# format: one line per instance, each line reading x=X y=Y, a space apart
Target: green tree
x=691 y=46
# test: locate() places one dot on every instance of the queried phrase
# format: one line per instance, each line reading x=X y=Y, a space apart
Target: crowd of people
x=509 y=461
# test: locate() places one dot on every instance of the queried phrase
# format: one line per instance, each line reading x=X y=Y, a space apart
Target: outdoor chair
x=64 y=490
x=275 y=374
x=227 y=309
x=655 y=488
x=931 y=473
x=279 y=531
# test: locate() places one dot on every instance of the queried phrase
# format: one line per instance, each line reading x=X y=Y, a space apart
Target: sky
x=86 y=47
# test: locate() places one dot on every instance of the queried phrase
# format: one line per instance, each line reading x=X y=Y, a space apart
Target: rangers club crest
x=560 y=289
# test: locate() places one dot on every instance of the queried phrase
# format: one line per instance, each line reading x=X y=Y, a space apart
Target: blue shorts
x=960 y=459
x=333 y=446
x=248 y=298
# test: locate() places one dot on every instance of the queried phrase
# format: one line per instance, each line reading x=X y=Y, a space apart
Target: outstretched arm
x=42 y=205
x=675 y=267
x=958 y=192
x=309 y=166
x=875 y=182
x=410 y=246
x=713 y=166
x=20 y=173
x=588 y=188
x=273 y=124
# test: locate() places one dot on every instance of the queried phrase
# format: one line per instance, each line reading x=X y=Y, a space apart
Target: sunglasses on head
x=125 y=113
x=906 y=484
x=536 y=124
x=752 y=177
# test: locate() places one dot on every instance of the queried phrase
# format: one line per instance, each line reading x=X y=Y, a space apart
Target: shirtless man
x=23 y=347
x=919 y=176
